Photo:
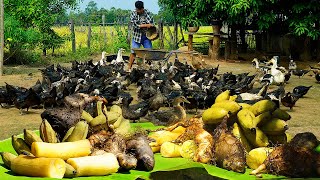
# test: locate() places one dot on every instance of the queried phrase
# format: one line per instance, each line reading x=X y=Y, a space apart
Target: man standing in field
x=140 y=20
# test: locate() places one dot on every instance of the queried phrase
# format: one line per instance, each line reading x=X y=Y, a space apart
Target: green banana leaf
x=165 y=168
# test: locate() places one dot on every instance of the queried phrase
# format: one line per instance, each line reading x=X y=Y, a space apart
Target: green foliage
x=28 y=24
x=120 y=40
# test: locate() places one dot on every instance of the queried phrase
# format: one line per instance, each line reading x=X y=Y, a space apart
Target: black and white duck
x=300 y=72
x=171 y=115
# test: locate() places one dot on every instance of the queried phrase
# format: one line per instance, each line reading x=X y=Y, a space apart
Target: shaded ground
x=305 y=115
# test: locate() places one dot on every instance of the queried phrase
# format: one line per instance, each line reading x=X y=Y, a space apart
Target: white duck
x=278 y=75
x=119 y=57
x=103 y=61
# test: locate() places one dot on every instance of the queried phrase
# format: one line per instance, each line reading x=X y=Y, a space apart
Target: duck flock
x=161 y=84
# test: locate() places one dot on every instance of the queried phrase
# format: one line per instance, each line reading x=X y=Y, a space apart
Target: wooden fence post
x=175 y=31
x=160 y=27
x=104 y=30
x=1 y=37
x=89 y=35
x=73 y=36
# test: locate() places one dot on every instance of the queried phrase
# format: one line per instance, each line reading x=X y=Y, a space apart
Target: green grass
x=64 y=52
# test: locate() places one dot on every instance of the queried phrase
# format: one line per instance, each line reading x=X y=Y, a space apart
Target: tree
x=35 y=17
x=91 y=11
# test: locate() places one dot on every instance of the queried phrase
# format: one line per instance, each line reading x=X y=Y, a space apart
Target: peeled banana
x=223 y=96
x=262 y=106
x=38 y=167
x=7 y=158
x=30 y=137
x=281 y=114
x=70 y=171
x=228 y=105
x=79 y=132
x=99 y=165
x=275 y=127
x=19 y=145
x=257 y=156
x=238 y=133
x=47 y=134
x=214 y=115
x=63 y=150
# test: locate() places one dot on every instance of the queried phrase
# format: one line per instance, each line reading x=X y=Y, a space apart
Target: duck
x=300 y=72
x=300 y=91
x=171 y=115
x=259 y=66
x=289 y=100
x=315 y=70
x=119 y=58
x=196 y=64
x=317 y=77
x=157 y=101
x=102 y=61
x=254 y=96
x=292 y=65
x=135 y=111
x=278 y=75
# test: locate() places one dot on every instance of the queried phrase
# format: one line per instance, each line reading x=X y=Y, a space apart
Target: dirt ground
x=305 y=115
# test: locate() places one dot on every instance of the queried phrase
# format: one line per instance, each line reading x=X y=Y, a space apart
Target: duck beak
x=186 y=101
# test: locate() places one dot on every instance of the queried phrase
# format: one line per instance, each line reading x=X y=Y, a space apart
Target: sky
x=151 y=5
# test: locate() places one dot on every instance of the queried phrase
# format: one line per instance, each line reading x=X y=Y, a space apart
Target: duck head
x=179 y=100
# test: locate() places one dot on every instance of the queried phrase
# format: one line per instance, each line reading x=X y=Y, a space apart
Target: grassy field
x=113 y=41
x=305 y=114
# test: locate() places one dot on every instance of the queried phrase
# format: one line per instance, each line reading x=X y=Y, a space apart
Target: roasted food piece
x=228 y=150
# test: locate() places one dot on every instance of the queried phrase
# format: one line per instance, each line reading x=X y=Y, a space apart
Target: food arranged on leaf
x=85 y=137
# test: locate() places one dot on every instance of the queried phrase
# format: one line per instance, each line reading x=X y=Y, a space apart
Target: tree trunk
x=258 y=42
x=306 y=53
x=318 y=42
x=216 y=41
x=234 y=48
x=244 y=45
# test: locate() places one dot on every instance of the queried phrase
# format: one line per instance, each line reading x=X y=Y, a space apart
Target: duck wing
x=163 y=117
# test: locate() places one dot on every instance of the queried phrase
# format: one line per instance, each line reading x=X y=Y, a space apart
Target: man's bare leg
x=131 y=60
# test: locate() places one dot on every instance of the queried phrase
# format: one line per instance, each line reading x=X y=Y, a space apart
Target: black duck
x=289 y=100
x=135 y=111
x=300 y=91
